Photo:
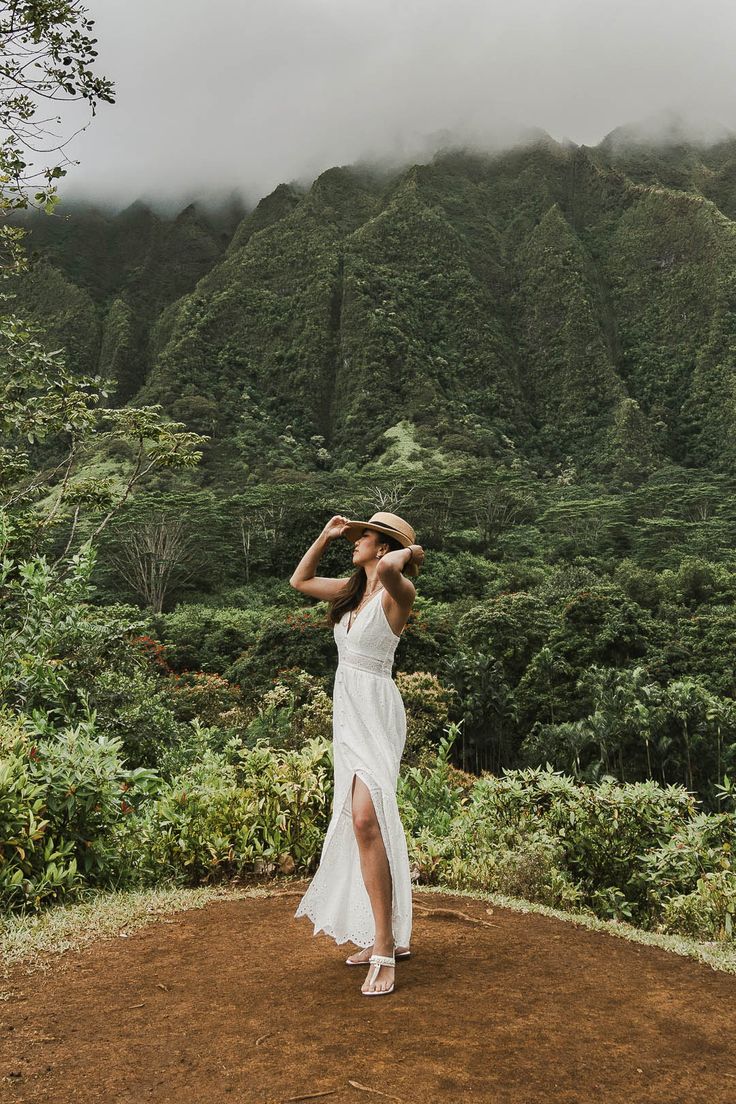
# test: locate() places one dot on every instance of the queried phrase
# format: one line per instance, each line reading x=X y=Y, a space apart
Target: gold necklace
x=354 y=613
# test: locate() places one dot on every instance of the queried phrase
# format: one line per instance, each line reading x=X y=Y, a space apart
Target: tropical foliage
x=530 y=356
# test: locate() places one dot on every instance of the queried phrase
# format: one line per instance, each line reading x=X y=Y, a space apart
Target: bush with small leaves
x=426 y=702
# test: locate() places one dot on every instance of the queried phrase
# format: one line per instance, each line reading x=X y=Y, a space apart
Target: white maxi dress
x=369 y=734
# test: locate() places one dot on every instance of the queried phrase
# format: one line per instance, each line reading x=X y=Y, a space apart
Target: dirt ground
x=238 y=1001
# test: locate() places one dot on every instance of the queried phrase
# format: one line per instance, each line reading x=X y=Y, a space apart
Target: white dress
x=369 y=734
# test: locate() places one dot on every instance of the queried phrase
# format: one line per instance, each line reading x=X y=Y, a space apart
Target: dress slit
x=381 y=819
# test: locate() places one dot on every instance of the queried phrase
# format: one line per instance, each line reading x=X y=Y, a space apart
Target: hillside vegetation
x=556 y=303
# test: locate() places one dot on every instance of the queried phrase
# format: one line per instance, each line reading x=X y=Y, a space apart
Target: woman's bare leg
x=376 y=873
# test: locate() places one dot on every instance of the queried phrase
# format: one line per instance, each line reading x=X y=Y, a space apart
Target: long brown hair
x=352 y=594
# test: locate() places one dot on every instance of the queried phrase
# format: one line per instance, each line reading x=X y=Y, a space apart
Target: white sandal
x=377 y=961
x=350 y=961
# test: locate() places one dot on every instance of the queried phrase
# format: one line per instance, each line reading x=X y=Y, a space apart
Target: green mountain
x=100 y=282
x=558 y=303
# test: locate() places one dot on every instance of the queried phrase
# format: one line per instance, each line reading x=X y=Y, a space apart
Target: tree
x=42 y=401
x=46 y=54
x=697 y=715
x=154 y=552
x=257 y=525
x=46 y=57
x=485 y=707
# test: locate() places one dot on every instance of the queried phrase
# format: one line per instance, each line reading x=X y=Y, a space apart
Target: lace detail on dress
x=366 y=663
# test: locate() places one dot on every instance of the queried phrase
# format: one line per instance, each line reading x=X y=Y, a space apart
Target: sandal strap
x=382 y=960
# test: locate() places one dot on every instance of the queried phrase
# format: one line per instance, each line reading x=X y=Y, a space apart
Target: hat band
x=385 y=525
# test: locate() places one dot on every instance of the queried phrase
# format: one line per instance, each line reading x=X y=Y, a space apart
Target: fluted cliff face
x=553 y=301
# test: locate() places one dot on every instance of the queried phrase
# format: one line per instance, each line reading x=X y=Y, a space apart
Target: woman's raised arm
x=304 y=578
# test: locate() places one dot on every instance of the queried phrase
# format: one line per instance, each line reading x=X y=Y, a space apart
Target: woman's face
x=367 y=546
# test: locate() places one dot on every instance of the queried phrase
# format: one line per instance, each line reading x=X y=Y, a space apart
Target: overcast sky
x=214 y=95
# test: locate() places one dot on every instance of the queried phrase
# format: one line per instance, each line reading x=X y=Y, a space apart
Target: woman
x=362 y=889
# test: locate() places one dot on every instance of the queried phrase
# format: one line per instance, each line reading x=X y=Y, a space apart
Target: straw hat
x=391 y=524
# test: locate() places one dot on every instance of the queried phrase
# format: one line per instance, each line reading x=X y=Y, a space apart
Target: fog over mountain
x=228 y=96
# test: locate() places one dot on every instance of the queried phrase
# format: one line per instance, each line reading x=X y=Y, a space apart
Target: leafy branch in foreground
x=43 y=403
x=157 y=443
x=46 y=56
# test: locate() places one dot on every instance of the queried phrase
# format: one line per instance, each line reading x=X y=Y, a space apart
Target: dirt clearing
x=238 y=1001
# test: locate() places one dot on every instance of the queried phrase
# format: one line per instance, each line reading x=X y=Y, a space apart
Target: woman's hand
x=417 y=554
x=335 y=527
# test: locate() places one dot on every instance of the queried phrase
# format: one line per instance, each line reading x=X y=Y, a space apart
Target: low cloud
x=240 y=95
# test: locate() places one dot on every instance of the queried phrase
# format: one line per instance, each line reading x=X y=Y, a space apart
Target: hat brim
x=355 y=529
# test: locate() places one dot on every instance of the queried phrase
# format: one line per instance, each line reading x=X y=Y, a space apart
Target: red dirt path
x=237 y=1001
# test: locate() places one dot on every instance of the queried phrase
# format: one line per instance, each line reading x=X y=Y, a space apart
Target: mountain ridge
x=546 y=301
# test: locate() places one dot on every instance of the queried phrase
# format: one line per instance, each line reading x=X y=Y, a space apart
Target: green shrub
x=32 y=867
x=708 y=912
x=426 y=702
x=301 y=638
x=293 y=712
x=194 y=743
x=678 y=876
x=606 y=828
x=136 y=708
x=621 y=851
x=457 y=575
x=197 y=694
x=60 y=795
x=430 y=796
x=243 y=809
x=200 y=637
